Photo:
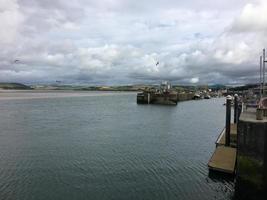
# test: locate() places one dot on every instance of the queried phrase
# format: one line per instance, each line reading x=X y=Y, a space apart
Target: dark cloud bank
x=120 y=42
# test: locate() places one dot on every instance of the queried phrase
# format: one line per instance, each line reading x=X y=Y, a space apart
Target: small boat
x=207 y=96
x=197 y=96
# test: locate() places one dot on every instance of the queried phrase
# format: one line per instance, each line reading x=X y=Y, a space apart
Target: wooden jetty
x=224 y=157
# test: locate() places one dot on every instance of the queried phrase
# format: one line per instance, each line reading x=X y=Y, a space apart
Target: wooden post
x=263 y=68
x=228 y=120
x=261 y=90
x=263 y=71
x=236 y=109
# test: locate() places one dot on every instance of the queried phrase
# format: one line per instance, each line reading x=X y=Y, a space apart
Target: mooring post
x=261 y=78
x=148 y=98
x=263 y=71
x=236 y=109
x=228 y=120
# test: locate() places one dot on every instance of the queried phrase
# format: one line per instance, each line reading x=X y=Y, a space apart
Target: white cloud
x=194 y=80
x=10 y=21
x=252 y=18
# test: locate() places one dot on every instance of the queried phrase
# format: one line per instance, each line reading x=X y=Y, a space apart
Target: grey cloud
x=120 y=41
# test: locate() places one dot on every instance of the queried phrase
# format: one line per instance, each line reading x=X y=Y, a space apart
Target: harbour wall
x=185 y=96
x=249 y=163
x=251 y=169
x=169 y=98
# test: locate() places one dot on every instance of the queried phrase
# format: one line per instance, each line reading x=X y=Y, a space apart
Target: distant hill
x=200 y=87
x=137 y=87
x=14 y=86
x=244 y=87
x=217 y=87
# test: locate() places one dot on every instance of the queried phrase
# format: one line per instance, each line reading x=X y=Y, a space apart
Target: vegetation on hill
x=140 y=87
x=14 y=86
x=244 y=87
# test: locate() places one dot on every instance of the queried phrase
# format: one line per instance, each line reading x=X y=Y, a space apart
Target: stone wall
x=185 y=96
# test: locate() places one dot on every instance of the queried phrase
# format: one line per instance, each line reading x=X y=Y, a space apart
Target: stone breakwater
x=169 y=98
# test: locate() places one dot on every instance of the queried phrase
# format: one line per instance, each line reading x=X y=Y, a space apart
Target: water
x=105 y=146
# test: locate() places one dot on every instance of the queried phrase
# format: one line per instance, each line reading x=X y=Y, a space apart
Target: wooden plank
x=223 y=160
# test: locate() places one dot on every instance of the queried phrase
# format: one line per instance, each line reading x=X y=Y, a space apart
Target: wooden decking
x=223 y=159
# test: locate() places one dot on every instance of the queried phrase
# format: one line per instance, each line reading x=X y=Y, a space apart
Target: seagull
x=157 y=63
x=15 y=61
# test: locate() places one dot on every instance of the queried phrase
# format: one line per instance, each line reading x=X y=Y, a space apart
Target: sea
x=71 y=145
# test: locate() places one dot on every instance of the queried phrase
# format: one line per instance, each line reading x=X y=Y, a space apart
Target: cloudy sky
x=120 y=41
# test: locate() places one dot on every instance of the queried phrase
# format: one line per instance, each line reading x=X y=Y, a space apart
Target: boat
x=207 y=96
x=197 y=96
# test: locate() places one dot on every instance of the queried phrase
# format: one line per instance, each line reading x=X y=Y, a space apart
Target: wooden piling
x=263 y=71
x=261 y=78
x=228 y=120
x=236 y=109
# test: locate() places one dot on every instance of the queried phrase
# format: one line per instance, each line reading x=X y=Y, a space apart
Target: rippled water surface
x=108 y=147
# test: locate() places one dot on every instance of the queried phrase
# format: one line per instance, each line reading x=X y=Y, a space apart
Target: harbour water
x=105 y=146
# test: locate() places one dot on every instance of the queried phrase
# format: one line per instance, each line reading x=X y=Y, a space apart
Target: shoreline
x=45 y=94
x=61 y=90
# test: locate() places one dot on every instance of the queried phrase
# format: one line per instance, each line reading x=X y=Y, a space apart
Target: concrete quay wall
x=251 y=169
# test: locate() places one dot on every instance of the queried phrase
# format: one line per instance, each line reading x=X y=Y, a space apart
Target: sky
x=117 y=42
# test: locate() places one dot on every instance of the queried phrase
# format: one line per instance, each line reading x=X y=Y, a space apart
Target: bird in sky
x=15 y=61
x=157 y=63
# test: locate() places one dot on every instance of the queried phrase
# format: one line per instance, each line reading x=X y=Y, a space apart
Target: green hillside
x=14 y=86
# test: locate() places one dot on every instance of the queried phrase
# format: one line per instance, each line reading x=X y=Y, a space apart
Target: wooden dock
x=223 y=160
x=224 y=157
